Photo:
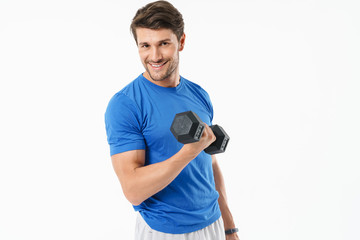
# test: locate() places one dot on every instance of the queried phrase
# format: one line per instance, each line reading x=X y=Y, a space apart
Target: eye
x=145 y=46
x=164 y=43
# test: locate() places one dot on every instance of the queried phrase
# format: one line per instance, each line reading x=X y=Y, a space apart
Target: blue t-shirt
x=139 y=117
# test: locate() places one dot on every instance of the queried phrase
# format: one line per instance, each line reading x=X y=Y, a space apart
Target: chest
x=158 y=115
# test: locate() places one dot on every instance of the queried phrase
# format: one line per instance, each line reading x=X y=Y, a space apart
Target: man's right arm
x=139 y=182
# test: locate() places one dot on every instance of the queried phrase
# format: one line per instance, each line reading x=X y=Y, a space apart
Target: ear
x=182 y=42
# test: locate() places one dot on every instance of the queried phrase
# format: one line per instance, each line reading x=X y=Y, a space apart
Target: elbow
x=133 y=197
x=134 y=201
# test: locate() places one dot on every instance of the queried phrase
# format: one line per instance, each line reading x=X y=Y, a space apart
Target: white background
x=284 y=80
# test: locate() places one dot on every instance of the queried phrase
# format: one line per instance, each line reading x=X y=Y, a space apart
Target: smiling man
x=177 y=190
x=161 y=62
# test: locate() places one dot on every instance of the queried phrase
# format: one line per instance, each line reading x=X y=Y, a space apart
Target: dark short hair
x=157 y=15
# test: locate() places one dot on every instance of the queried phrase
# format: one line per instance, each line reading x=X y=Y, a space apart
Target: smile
x=157 y=66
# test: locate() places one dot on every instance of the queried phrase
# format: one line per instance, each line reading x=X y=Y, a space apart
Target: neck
x=172 y=81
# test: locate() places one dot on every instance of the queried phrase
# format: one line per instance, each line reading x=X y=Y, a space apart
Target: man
x=177 y=189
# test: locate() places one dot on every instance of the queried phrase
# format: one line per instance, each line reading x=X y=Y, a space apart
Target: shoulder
x=125 y=99
x=128 y=93
x=118 y=100
x=132 y=89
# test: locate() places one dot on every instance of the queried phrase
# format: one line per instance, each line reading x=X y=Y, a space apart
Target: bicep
x=126 y=163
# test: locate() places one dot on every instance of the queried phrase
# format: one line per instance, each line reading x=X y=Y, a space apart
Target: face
x=159 y=53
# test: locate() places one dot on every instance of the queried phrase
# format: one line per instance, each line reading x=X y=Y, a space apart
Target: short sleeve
x=123 y=125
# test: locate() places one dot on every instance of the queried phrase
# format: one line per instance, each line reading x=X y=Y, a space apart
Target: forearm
x=223 y=203
x=225 y=212
x=145 y=181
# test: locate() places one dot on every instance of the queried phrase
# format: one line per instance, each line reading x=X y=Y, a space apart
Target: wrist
x=231 y=231
x=189 y=152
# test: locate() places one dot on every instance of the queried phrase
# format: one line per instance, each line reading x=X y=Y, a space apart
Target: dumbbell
x=187 y=127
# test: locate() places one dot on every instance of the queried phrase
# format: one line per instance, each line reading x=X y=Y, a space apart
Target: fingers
x=209 y=134
x=207 y=138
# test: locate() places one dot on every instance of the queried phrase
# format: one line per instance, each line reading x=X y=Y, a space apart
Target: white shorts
x=214 y=231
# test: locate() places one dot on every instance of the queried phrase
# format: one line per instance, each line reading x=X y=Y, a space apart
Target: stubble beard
x=170 y=70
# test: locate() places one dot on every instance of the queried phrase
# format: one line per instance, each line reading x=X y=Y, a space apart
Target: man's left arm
x=224 y=208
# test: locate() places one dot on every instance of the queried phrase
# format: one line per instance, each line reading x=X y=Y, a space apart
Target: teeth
x=157 y=65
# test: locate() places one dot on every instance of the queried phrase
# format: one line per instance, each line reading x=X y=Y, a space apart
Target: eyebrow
x=164 y=40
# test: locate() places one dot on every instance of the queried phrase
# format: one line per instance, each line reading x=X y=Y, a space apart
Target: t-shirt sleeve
x=123 y=125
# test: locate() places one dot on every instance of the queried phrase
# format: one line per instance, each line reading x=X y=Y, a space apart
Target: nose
x=156 y=55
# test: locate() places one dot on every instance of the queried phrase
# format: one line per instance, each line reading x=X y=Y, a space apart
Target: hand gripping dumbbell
x=187 y=127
